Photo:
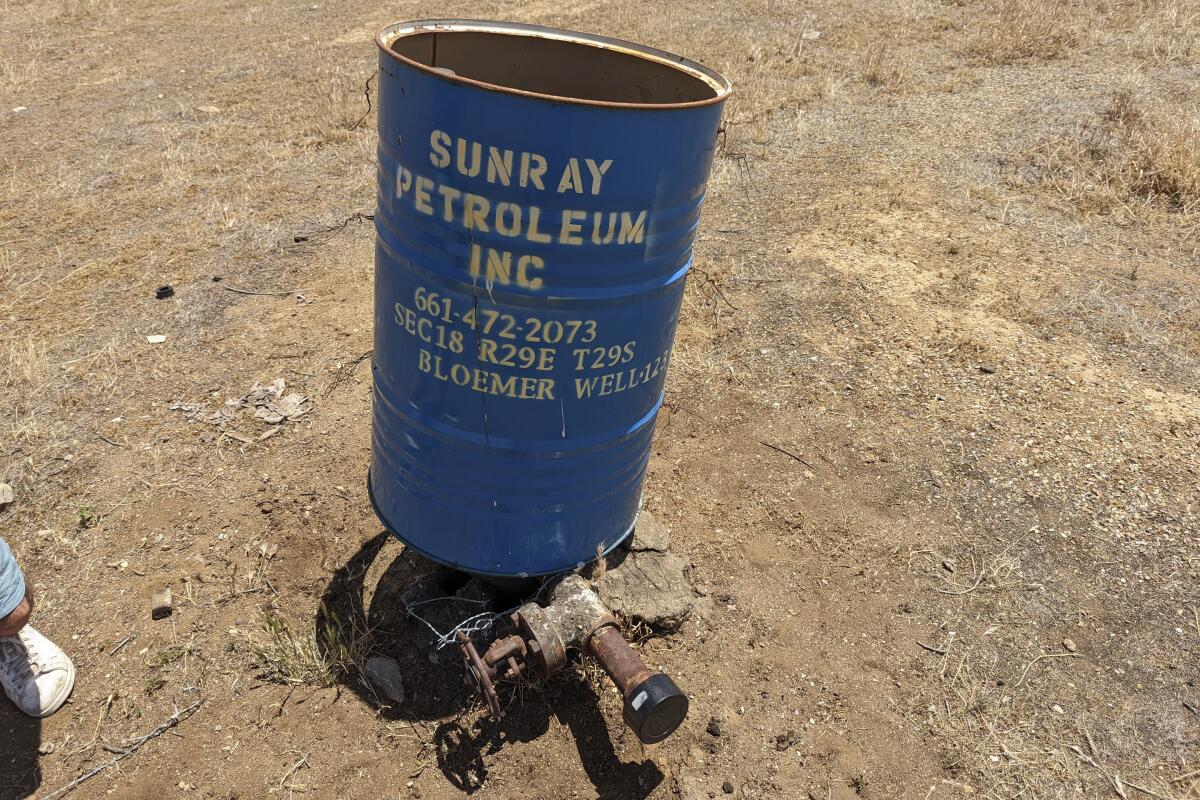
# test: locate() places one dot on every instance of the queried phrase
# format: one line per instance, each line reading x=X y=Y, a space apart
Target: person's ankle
x=18 y=618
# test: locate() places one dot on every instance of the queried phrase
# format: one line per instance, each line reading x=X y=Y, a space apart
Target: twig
x=1029 y=666
x=345 y=372
x=787 y=453
x=931 y=648
x=121 y=645
x=110 y=441
x=99 y=721
x=290 y=775
x=366 y=94
x=240 y=290
x=708 y=279
x=174 y=720
x=979 y=573
x=357 y=216
x=1114 y=779
x=1144 y=790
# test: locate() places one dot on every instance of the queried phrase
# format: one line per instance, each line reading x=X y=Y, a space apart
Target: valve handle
x=478 y=673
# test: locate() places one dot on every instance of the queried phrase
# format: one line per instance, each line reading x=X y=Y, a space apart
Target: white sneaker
x=35 y=672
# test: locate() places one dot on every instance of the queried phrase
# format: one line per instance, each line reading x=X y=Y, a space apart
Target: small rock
x=987 y=369
x=6 y=494
x=1069 y=645
x=948 y=564
x=727 y=787
x=46 y=748
x=714 y=727
x=266 y=506
x=156 y=338
x=161 y=604
x=384 y=672
x=650 y=534
x=1057 y=709
x=649 y=586
x=20 y=109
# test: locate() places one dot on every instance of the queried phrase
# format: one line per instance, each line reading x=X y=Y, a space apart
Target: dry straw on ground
x=1026 y=29
x=1138 y=155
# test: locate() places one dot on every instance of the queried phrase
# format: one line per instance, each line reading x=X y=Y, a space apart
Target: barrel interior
x=569 y=69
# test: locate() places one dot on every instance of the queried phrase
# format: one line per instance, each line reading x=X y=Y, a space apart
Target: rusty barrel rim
x=719 y=85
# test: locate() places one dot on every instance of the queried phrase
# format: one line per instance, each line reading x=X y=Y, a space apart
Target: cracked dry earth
x=929 y=445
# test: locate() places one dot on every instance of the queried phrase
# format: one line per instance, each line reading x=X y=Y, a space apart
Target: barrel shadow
x=437 y=694
x=20 y=735
x=461 y=751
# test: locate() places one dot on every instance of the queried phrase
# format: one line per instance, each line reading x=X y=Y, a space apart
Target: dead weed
x=1136 y=155
x=318 y=657
x=1016 y=30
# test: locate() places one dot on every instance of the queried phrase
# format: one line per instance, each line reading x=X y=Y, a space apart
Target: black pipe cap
x=655 y=708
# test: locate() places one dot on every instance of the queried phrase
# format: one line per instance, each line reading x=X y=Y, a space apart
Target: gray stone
x=649 y=586
x=384 y=672
x=650 y=534
x=6 y=494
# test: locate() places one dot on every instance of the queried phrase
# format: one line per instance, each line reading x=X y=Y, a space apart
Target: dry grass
x=81 y=10
x=1137 y=155
x=1158 y=31
x=26 y=365
x=1017 y=30
x=318 y=657
x=881 y=65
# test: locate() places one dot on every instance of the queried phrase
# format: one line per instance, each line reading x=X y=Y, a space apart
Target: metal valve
x=574 y=616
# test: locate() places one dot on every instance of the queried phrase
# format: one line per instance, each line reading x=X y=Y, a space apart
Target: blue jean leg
x=12 y=582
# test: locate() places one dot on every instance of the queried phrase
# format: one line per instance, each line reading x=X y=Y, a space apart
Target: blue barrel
x=539 y=191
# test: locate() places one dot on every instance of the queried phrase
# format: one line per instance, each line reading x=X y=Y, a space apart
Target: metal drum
x=539 y=191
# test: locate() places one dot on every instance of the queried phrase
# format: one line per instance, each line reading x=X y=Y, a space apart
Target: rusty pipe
x=574 y=616
x=654 y=706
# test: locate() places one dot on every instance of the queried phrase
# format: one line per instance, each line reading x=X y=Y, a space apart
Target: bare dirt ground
x=930 y=438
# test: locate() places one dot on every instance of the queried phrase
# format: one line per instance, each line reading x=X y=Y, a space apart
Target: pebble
x=987 y=369
x=156 y=338
x=384 y=672
x=1057 y=709
x=46 y=748
x=161 y=604
x=6 y=494
x=1069 y=645
x=714 y=727
x=727 y=787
